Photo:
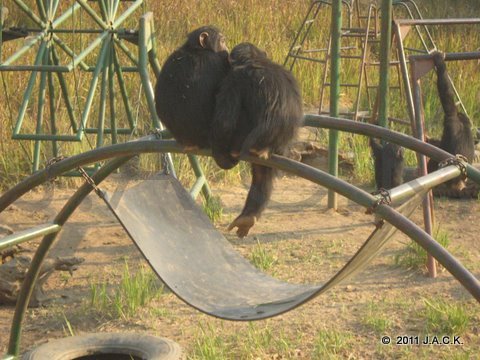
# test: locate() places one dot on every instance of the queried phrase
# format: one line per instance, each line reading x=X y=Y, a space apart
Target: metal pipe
x=103 y=95
x=43 y=68
x=147 y=145
x=93 y=85
x=37 y=260
x=19 y=53
x=407 y=190
x=405 y=75
x=93 y=14
x=51 y=101
x=45 y=137
x=30 y=13
x=449 y=56
x=422 y=163
x=319 y=121
x=123 y=91
x=111 y=93
x=64 y=90
x=42 y=89
x=336 y=34
x=93 y=45
x=465 y=21
x=29 y=234
x=69 y=52
x=29 y=90
x=385 y=39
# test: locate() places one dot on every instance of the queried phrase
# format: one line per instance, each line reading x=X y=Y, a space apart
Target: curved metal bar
x=151 y=144
x=126 y=151
x=406 y=141
x=47 y=241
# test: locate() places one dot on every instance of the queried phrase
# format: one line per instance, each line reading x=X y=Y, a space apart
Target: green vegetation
x=270 y=25
x=257 y=342
x=376 y=320
x=125 y=300
x=262 y=258
x=414 y=256
x=331 y=344
x=213 y=208
x=443 y=317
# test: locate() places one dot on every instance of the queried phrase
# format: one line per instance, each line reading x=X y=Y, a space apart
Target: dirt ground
x=309 y=244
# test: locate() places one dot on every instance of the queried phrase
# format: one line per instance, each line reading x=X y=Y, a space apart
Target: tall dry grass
x=270 y=24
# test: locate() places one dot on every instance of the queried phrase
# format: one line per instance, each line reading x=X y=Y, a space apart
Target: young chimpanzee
x=258 y=110
x=187 y=84
x=457 y=137
x=388 y=160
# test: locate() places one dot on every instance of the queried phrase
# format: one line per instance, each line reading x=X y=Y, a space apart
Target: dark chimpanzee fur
x=186 y=87
x=388 y=160
x=258 y=110
x=457 y=137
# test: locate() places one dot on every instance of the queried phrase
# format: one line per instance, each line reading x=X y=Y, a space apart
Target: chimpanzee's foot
x=262 y=154
x=243 y=223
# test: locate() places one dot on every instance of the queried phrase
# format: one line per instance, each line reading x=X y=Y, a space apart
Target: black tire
x=139 y=346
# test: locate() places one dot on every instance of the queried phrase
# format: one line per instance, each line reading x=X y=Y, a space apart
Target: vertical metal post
x=428 y=214
x=42 y=87
x=385 y=39
x=111 y=93
x=334 y=95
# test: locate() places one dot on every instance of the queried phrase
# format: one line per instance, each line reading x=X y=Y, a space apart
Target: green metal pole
x=111 y=94
x=103 y=98
x=93 y=86
x=123 y=91
x=334 y=95
x=385 y=39
x=51 y=100
x=64 y=90
x=30 y=13
x=42 y=88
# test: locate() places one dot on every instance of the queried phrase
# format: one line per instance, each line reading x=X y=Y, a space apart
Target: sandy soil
x=309 y=243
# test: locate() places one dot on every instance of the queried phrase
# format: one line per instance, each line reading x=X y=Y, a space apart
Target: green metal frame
x=123 y=152
x=110 y=41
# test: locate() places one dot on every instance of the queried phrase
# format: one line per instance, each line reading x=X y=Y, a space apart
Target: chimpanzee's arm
x=444 y=86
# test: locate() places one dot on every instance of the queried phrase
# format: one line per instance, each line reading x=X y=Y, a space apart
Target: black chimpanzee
x=186 y=87
x=457 y=137
x=258 y=110
x=388 y=160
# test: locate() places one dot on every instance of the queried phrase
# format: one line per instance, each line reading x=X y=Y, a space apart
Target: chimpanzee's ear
x=400 y=152
x=202 y=39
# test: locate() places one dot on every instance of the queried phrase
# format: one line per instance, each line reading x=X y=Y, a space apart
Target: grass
x=376 y=320
x=134 y=291
x=257 y=342
x=268 y=24
x=331 y=344
x=443 y=317
x=261 y=258
x=213 y=208
x=414 y=256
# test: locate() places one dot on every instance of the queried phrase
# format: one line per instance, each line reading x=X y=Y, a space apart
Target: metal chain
x=384 y=199
x=459 y=161
x=91 y=182
x=49 y=164
x=163 y=157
